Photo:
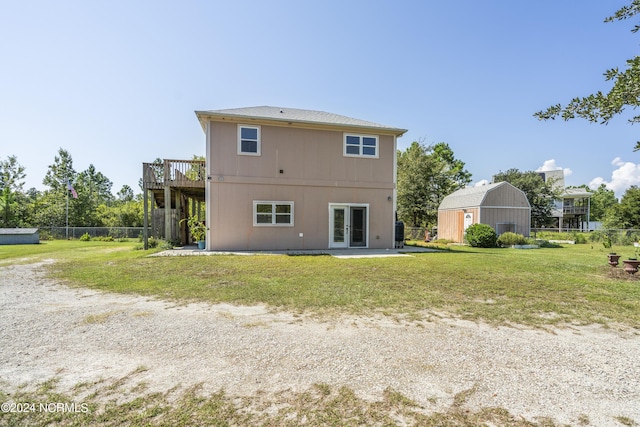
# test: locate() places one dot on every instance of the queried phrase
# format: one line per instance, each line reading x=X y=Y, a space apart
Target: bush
x=152 y=242
x=579 y=238
x=85 y=237
x=481 y=236
x=510 y=239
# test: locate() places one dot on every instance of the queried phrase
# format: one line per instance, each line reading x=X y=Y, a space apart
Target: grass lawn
x=538 y=287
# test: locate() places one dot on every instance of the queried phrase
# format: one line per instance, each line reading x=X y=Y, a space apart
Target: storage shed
x=19 y=236
x=501 y=206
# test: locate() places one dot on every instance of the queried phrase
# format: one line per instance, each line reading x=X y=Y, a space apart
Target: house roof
x=294 y=115
x=470 y=196
x=576 y=192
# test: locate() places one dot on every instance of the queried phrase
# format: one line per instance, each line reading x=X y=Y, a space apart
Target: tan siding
x=233 y=227
x=314 y=174
x=520 y=217
x=451 y=223
x=505 y=196
x=301 y=154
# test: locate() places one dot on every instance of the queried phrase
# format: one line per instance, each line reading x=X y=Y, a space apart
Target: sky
x=116 y=83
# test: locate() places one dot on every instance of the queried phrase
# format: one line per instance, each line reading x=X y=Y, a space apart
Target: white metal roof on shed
x=13 y=231
x=470 y=197
x=295 y=115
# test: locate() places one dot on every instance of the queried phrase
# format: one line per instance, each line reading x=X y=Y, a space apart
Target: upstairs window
x=272 y=214
x=360 y=146
x=249 y=140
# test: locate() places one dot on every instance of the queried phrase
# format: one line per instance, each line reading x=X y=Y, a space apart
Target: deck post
x=145 y=204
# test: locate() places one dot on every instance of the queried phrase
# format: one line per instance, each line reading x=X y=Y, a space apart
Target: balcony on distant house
x=575 y=210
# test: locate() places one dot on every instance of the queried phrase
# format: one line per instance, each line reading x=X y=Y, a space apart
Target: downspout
x=207 y=189
x=394 y=212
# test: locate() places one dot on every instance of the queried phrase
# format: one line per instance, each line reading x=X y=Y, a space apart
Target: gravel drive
x=49 y=330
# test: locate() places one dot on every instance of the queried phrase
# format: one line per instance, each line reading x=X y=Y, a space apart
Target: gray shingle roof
x=298 y=116
x=468 y=197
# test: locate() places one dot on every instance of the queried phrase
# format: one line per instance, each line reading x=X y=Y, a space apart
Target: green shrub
x=546 y=244
x=152 y=242
x=481 y=236
x=510 y=239
x=85 y=237
x=45 y=235
x=166 y=245
x=579 y=238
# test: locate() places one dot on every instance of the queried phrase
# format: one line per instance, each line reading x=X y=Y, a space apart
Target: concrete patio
x=192 y=250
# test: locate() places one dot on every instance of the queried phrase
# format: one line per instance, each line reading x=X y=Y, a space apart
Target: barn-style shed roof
x=473 y=196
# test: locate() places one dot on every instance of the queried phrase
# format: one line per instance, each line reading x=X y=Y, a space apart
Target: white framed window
x=249 y=140
x=272 y=214
x=360 y=145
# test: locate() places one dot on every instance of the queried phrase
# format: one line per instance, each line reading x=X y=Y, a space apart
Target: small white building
x=19 y=236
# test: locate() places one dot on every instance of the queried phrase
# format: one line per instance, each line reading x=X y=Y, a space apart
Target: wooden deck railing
x=179 y=173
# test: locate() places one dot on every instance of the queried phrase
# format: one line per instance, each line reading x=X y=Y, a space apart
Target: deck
x=177 y=190
x=187 y=176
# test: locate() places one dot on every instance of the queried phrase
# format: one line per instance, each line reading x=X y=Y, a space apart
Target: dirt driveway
x=48 y=330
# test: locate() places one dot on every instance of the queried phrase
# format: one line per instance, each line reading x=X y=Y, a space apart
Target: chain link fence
x=618 y=236
x=77 y=232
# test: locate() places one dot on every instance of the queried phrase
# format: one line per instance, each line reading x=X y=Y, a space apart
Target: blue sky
x=116 y=82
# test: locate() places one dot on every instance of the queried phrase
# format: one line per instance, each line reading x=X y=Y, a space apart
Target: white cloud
x=481 y=183
x=626 y=175
x=550 y=165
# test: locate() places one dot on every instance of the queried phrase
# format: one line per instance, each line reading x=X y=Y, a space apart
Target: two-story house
x=573 y=209
x=291 y=179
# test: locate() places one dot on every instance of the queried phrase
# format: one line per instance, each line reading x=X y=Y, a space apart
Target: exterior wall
x=506 y=205
x=314 y=174
x=306 y=157
x=520 y=217
x=232 y=227
x=22 y=238
x=451 y=223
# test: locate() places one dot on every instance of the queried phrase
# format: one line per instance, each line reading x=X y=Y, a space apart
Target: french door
x=348 y=226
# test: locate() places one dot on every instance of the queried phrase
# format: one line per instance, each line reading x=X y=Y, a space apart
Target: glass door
x=348 y=226
x=339 y=226
x=358 y=226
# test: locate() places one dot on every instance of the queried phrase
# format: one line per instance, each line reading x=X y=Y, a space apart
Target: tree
x=93 y=189
x=426 y=174
x=60 y=173
x=125 y=194
x=53 y=202
x=627 y=213
x=11 y=183
x=602 y=200
x=600 y=107
x=541 y=194
x=11 y=174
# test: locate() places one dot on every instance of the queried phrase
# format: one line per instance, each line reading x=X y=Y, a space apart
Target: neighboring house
x=500 y=205
x=19 y=236
x=573 y=209
x=290 y=179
